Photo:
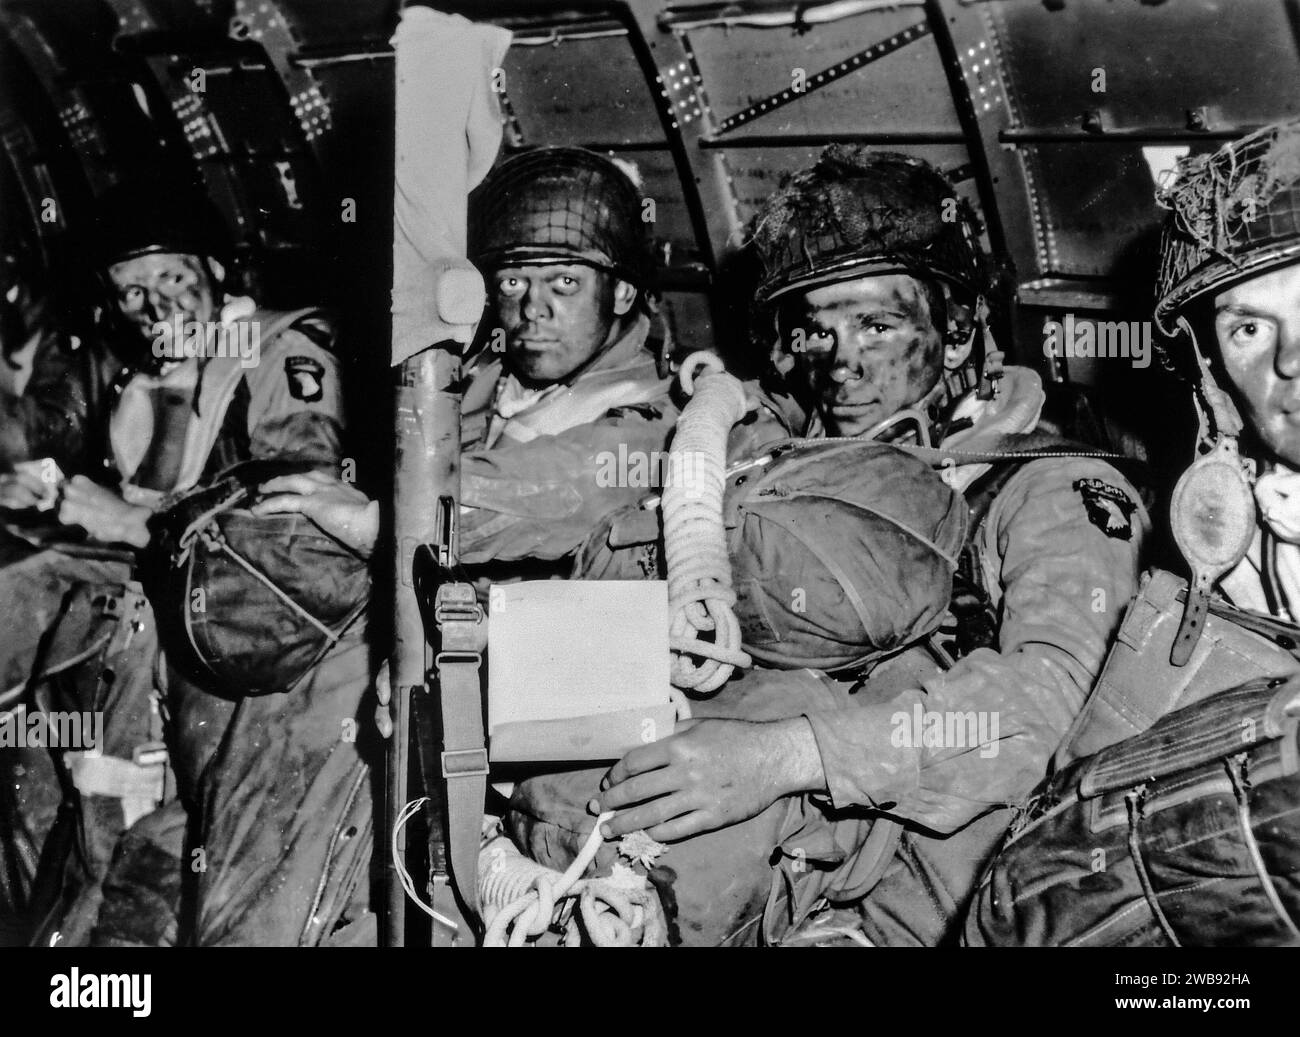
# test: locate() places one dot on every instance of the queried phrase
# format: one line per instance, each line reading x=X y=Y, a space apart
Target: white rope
x=519 y=898
x=700 y=594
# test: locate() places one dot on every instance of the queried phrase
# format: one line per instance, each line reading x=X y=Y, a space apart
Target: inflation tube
x=701 y=599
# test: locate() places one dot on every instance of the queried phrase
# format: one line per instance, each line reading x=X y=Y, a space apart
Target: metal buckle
x=465 y=763
x=460 y=619
x=454 y=658
x=456 y=602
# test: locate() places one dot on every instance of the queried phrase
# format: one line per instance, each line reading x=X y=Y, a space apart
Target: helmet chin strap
x=1216 y=414
x=982 y=370
x=1212 y=513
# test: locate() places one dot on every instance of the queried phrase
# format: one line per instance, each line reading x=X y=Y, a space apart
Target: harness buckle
x=465 y=763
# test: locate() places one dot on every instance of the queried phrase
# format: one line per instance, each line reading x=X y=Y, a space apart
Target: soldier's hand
x=339 y=508
x=21 y=490
x=710 y=774
x=103 y=513
x=384 y=692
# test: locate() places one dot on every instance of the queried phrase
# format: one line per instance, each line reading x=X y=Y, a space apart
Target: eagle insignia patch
x=1109 y=508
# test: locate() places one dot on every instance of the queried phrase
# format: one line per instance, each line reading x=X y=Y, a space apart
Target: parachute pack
x=1171 y=817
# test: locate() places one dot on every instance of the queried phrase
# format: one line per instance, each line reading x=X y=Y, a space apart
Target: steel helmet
x=1232 y=215
x=560 y=205
x=859 y=212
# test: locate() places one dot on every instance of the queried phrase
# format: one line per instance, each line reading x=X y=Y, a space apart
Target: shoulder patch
x=1109 y=508
x=306 y=378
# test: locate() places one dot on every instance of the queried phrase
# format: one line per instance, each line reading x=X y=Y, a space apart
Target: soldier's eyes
x=565 y=285
x=510 y=286
x=1250 y=333
x=875 y=327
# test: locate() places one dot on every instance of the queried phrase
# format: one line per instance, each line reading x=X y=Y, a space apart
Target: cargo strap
x=460 y=621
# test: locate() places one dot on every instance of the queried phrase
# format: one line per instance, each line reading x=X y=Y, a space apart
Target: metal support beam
x=195 y=123
x=655 y=53
x=264 y=22
x=81 y=126
x=817 y=140
x=970 y=51
x=968 y=119
x=826 y=76
x=1135 y=135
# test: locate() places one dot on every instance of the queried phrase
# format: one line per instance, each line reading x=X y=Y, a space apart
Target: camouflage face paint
x=867 y=349
x=555 y=317
x=158 y=287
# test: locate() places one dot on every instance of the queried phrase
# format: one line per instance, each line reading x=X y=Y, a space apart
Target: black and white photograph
x=649 y=474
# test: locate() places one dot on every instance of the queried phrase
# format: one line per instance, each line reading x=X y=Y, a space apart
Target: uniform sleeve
x=50 y=418
x=296 y=402
x=1062 y=544
x=540 y=499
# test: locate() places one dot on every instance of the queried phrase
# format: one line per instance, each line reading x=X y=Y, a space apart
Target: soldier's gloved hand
x=339 y=508
x=710 y=774
x=21 y=490
x=103 y=513
x=383 y=711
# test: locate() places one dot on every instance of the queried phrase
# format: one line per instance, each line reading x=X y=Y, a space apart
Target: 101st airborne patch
x=1109 y=508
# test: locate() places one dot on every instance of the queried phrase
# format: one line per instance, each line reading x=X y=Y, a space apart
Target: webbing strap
x=459 y=619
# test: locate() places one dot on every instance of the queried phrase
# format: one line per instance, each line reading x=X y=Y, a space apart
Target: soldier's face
x=156 y=287
x=866 y=348
x=1257 y=325
x=555 y=317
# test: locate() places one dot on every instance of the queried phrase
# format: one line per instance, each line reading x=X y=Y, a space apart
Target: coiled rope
x=701 y=599
x=519 y=898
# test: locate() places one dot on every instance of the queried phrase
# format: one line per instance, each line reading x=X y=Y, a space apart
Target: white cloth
x=1277 y=496
x=447 y=134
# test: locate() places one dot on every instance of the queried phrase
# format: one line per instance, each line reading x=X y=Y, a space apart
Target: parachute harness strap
x=700 y=595
x=519 y=897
